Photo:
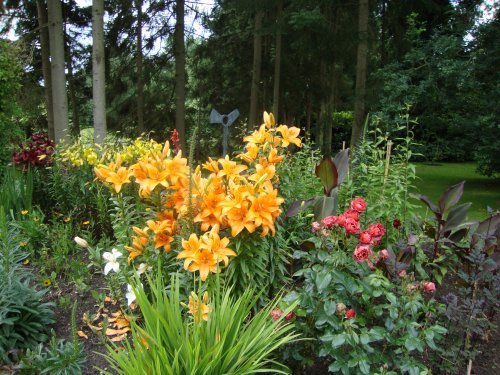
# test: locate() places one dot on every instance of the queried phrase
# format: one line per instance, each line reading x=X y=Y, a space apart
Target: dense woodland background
x=327 y=66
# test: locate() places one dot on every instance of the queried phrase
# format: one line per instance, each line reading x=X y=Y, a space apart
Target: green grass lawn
x=481 y=191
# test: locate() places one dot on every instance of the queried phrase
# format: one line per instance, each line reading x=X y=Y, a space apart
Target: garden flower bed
x=276 y=260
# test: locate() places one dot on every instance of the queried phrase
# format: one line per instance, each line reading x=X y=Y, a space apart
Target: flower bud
x=350 y=314
x=81 y=242
x=340 y=309
x=276 y=313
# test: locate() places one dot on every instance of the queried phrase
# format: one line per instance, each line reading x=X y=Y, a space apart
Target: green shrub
x=367 y=313
x=24 y=318
x=59 y=357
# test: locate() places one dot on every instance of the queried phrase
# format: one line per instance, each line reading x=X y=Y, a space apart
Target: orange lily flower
x=218 y=246
x=230 y=168
x=121 y=177
x=289 y=135
x=198 y=308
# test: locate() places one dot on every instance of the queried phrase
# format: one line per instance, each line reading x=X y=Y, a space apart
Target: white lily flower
x=111 y=261
x=143 y=267
x=81 y=242
x=130 y=295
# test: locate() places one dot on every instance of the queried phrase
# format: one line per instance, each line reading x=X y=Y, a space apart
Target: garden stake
x=387 y=161
x=226 y=121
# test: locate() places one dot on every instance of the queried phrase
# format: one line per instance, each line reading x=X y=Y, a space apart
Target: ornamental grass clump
x=218 y=334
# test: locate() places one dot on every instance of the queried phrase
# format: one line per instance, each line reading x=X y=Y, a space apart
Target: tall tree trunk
x=98 y=72
x=277 y=62
x=180 y=79
x=75 y=128
x=359 y=101
x=383 y=35
x=140 y=78
x=256 y=67
x=47 y=76
x=59 y=96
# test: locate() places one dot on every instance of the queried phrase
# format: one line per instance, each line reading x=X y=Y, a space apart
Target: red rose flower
x=276 y=313
x=365 y=238
x=362 y=252
x=352 y=214
x=290 y=315
x=351 y=226
x=329 y=222
x=429 y=287
x=350 y=314
x=341 y=220
x=376 y=230
x=358 y=204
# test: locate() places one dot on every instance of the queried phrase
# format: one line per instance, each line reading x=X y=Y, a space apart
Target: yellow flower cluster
x=234 y=196
x=78 y=154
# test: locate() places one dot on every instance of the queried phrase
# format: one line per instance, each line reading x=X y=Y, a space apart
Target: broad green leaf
x=411 y=343
x=323 y=279
x=364 y=338
x=364 y=366
x=338 y=340
x=451 y=197
x=391 y=298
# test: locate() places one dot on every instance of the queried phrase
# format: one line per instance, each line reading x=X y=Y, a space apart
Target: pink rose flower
x=276 y=313
x=352 y=214
x=429 y=287
x=351 y=226
x=376 y=230
x=402 y=273
x=350 y=314
x=362 y=252
x=315 y=227
x=383 y=255
x=365 y=238
x=358 y=204
x=329 y=222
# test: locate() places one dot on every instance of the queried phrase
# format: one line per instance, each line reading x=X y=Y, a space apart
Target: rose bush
x=368 y=316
